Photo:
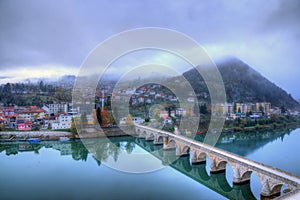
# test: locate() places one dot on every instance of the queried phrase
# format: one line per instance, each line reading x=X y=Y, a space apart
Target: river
x=66 y=170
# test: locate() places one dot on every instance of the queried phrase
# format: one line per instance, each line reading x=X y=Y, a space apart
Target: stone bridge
x=271 y=179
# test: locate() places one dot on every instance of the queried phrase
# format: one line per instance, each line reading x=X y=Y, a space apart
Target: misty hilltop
x=243 y=84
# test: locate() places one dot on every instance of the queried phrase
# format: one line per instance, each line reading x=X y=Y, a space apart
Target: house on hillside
x=31 y=114
x=24 y=126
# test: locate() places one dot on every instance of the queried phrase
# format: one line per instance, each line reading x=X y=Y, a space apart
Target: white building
x=55 y=108
x=62 y=122
x=135 y=120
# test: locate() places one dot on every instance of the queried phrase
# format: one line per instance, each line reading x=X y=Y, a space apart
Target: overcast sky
x=51 y=38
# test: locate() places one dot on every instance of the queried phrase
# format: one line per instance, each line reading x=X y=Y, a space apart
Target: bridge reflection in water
x=215 y=181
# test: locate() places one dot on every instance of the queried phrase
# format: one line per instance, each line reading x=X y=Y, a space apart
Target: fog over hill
x=244 y=84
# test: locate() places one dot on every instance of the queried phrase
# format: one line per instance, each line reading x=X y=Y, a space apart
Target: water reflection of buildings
x=64 y=148
x=245 y=143
x=25 y=147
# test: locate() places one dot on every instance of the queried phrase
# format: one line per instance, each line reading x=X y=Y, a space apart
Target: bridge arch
x=246 y=175
x=185 y=150
x=221 y=164
x=172 y=142
x=276 y=189
x=217 y=164
x=160 y=138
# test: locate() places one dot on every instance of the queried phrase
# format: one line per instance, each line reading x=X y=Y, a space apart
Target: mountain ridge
x=244 y=84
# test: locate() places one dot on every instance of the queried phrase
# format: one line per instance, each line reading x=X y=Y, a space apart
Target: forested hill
x=244 y=84
x=26 y=94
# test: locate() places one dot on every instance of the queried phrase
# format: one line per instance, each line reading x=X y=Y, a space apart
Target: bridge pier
x=182 y=150
x=270 y=188
x=241 y=175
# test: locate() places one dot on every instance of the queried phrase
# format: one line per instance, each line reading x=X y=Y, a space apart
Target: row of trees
x=274 y=120
x=26 y=94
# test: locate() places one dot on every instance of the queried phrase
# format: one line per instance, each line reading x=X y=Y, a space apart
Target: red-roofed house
x=30 y=114
x=26 y=126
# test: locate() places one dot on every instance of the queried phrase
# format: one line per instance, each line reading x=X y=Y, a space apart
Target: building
x=224 y=108
x=30 y=114
x=63 y=121
x=263 y=107
x=54 y=109
x=165 y=113
x=275 y=111
x=245 y=107
x=25 y=126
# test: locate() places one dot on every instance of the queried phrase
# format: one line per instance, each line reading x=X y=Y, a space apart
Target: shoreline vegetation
x=271 y=123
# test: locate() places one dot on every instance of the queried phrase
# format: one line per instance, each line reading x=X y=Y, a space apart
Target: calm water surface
x=55 y=170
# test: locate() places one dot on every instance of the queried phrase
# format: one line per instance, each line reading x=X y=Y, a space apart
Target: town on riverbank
x=152 y=105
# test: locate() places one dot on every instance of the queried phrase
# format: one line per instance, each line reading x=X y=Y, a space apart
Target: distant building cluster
x=149 y=94
x=50 y=116
x=252 y=110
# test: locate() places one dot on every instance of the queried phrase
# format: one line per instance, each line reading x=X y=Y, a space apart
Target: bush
x=147 y=119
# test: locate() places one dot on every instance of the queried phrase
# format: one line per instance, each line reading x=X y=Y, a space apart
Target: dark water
x=56 y=170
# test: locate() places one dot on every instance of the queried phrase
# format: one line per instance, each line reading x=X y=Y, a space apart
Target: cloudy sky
x=52 y=38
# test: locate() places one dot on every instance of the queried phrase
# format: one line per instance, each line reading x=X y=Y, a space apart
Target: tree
x=129 y=120
x=249 y=113
x=169 y=111
x=99 y=116
x=203 y=109
x=106 y=118
x=234 y=107
x=283 y=109
x=261 y=109
x=73 y=127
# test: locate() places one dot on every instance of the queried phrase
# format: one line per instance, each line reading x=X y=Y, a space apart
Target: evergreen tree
x=98 y=114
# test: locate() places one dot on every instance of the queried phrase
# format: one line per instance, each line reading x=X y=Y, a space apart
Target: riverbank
x=8 y=136
x=42 y=135
x=259 y=128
